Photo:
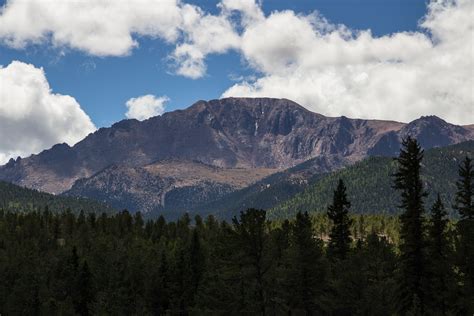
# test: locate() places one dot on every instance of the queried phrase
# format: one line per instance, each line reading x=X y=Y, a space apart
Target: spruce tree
x=339 y=251
x=251 y=238
x=440 y=275
x=412 y=257
x=138 y=222
x=306 y=273
x=161 y=287
x=84 y=288
x=340 y=235
x=464 y=204
x=465 y=195
x=196 y=267
x=280 y=245
x=378 y=266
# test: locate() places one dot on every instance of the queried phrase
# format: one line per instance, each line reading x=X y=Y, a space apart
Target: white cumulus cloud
x=146 y=106
x=98 y=27
x=32 y=117
x=203 y=34
x=327 y=68
x=335 y=71
x=112 y=27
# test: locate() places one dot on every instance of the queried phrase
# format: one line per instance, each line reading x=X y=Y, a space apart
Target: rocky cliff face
x=430 y=131
x=171 y=185
x=232 y=133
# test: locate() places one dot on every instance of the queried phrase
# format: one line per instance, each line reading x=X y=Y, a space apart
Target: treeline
x=19 y=199
x=336 y=264
x=67 y=264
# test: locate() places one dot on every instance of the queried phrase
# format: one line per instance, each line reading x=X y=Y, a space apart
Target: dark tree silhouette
x=412 y=247
x=440 y=273
x=338 y=213
x=307 y=270
x=251 y=236
x=464 y=204
x=85 y=295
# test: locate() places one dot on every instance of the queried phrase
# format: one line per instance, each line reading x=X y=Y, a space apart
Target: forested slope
x=16 y=198
x=369 y=184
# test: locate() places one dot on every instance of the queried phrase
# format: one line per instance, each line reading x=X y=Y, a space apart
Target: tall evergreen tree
x=160 y=287
x=196 y=267
x=340 y=235
x=440 y=274
x=306 y=268
x=465 y=195
x=252 y=239
x=378 y=266
x=464 y=204
x=412 y=247
x=85 y=295
x=138 y=222
x=280 y=241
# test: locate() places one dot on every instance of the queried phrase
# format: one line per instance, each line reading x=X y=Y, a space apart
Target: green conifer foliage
x=464 y=204
x=440 y=274
x=338 y=212
x=412 y=263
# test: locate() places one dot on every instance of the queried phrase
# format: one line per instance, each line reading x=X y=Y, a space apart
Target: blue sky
x=102 y=85
x=70 y=67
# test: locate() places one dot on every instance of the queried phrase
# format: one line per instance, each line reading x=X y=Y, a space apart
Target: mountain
x=430 y=131
x=16 y=198
x=228 y=133
x=369 y=184
x=167 y=185
x=272 y=190
x=126 y=164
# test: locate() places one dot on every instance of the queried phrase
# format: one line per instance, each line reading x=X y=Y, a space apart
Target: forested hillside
x=369 y=184
x=331 y=263
x=16 y=198
x=119 y=265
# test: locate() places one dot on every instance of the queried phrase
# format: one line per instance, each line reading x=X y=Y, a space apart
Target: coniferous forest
x=336 y=263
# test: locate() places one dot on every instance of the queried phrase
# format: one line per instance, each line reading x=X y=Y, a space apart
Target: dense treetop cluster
x=335 y=263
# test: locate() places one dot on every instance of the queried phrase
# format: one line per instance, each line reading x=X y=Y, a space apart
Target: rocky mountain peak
x=246 y=133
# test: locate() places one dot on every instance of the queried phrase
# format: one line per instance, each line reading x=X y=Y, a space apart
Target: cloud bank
x=328 y=68
x=337 y=71
x=97 y=27
x=32 y=117
x=146 y=106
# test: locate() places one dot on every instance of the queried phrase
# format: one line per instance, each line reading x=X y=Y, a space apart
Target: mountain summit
x=261 y=134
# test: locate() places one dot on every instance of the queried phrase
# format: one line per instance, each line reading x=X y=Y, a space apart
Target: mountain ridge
x=231 y=133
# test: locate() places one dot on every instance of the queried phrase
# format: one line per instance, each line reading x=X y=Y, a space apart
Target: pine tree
x=84 y=288
x=340 y=236
x=379 y=262
x=180 y=288
x=196 y=267
x=464 y=204
x=440 y=276
x=465 y=195
x=306 y=268
x=412 y=247
x=251 y=238
x=138 y=222
x=92 y=220
x=160 y=291
x=74 y=260
x=278 y=292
